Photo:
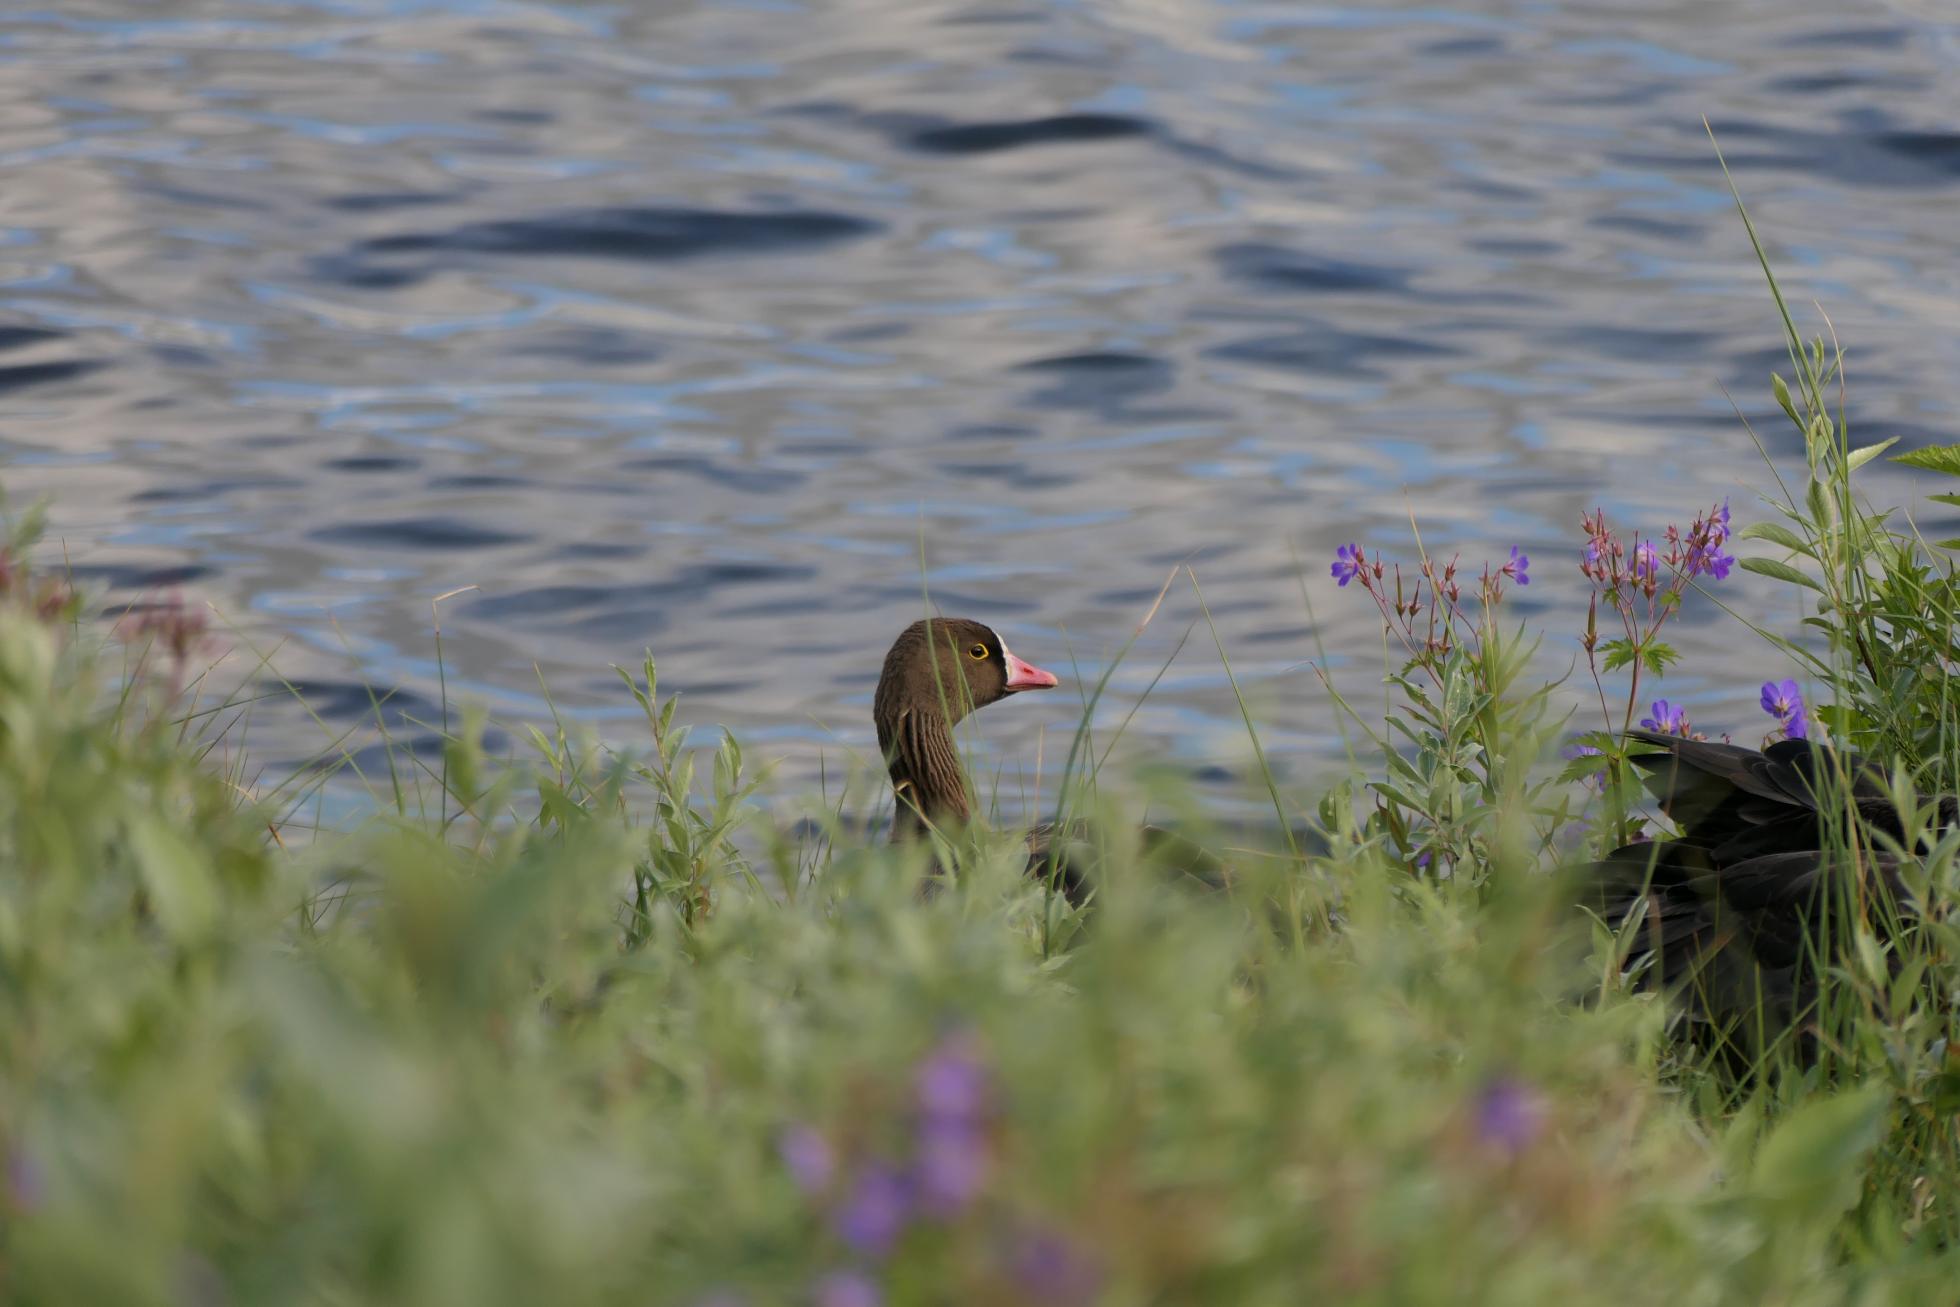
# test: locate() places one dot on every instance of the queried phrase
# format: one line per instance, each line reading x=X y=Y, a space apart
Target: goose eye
x=978 y=651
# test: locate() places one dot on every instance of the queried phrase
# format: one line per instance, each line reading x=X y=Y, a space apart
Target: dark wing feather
x=1731 y=910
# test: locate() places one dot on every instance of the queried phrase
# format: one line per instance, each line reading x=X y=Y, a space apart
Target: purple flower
x=1509 y=1114
x=951 y=1081
x=1783 y=700
x=27 y=1184
x=1668 y=719
x=848 y=1289
x=1347 y=563
x=1646 y=561
x=1720 y=524
x=808 y=1157
x=951 y=1167
x=875 y=1211
x=1515 y=569
x=1051 y=1269
x=953 y=1155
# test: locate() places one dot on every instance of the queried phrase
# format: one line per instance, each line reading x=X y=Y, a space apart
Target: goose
x=937 y=672
x=1733 y=910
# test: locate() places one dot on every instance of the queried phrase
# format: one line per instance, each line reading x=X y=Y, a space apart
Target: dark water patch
x=386 y=201
x=1015 y=134
x=1465 y=47
x=126 y=576
x=1129 y=596
x=995 y=17
x=597 y=345
x=1869 y=152
x=22 y=375
x=479 y=481
x=349 y=701
x=198 y=198
x=1517 y=247
x=1187 y=554
x=425 y=747
x=373 y=463
x=945 y=599
x=362 y=276
x=1854 y=38
x=600 y=549
x=991 y=431
x=1276 y=267
x=1279 y=635
x=416 y=533
x=517 y=117
x=1827 y=83
x=1635 y=224
x=205 y=490
x=1213 y=155
x=1019 y=476
x=544 y=601
x=653 y=233
x=1328 y=350
x=1504 y=192
x=759 y=480
x=21 y=337
x=787 y=605
x=1644 y=343
x=631 y=606
x=1099 y=380
x=634 y=622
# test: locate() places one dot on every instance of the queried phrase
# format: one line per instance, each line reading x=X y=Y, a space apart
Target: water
x=730 y=328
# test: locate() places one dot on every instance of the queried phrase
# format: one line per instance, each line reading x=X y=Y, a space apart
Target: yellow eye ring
x=978 y=652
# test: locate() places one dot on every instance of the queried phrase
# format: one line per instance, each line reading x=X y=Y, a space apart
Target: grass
x=582 y=1030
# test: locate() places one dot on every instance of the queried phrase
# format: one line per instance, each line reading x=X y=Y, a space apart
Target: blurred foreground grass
x=567 y=1046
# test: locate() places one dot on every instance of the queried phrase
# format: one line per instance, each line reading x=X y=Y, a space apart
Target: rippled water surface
x=731 y=328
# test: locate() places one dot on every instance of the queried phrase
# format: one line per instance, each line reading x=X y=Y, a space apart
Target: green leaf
x=1815 y=1157
x=1934 y=458
x=1781 y=571
x=1657 y=656
x=1777 y=534
x=1819 y=504
x=1782 y=392
x=1945 y=499
x=1949 y=544
x=1619 y=653
x=1859 y=457
x=177 y=875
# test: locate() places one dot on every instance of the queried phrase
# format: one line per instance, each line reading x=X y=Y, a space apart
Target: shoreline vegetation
x=582 y=1030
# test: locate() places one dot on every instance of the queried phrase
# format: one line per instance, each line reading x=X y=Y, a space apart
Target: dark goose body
x=1733 y=911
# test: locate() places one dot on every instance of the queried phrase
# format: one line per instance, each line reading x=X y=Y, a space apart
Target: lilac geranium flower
x=954 y=1155
x=1051 y=1269
x=952 y=1165
x=1646 y=561
x=1347 y=563
x=1783 y=700
x=808 y=1157
x=1515 y=569
x=1508 y=1114
x=848 y=1289
x=1668 y=718
x=875 y=1211
x=951 y=1082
